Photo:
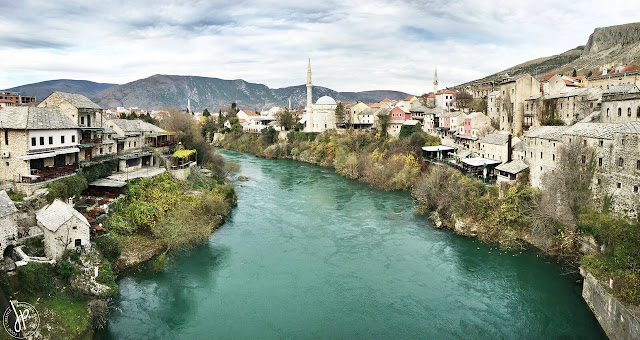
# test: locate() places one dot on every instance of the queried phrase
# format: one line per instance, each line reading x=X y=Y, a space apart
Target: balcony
x=91 y=141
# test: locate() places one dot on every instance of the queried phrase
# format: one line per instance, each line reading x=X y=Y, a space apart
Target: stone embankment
x=617 y=320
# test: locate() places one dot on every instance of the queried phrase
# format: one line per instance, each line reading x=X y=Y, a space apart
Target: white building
x=320 y=116
x=63 y=227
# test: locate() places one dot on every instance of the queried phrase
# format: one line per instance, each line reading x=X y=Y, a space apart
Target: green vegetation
x=66 y=187
x=64 y=316
x=106 y=277
x=100 y=170
x=15 y=196
x=269 y=135
x=36 y=279
x=109 y=246
x=65 y=270
x=160 y=207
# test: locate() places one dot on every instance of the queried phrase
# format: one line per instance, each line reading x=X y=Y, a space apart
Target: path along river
x=310 y=254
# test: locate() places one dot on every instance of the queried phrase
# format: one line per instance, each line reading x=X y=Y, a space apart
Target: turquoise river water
x=310 y=254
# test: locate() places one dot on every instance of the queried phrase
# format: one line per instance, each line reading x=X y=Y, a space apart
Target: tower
x=435 y=82
x=309 y=87
x=189 y=105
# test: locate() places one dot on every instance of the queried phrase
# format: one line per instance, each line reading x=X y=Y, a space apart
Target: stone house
x=570 y=106
x=36 y=142
x=95 y=142
x=493 y=105
x=8 y=221
x=359 y=121
x=540 y=148
x=64 y=228
x=136 y=142
x=449 y=122
x=497 y=146
x=513 y=93
x=509 y=172
x=620 y=104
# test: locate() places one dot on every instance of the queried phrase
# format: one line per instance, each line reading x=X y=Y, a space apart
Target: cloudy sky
x=353 y=45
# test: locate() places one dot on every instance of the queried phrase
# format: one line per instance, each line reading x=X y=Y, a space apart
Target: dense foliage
x=36 y=280
x=66 y=187
x=109 y=246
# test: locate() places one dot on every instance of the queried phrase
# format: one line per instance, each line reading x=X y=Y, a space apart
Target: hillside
x=611 y=45
x=213 y=93
x=42 y=89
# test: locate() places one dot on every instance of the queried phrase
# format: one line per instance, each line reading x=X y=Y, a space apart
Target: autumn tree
x=340 y=115
x=463 y=99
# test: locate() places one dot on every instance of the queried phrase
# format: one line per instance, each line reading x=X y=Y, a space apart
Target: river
x=309 y=254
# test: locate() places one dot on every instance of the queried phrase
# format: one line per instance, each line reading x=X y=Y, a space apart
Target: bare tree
x=462 y=99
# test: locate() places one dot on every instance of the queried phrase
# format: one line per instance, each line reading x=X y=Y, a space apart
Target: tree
x=383 y=123
x=206 y=113
x=286 y=119
x=590 y=74
x=575 y=73
x=424 y=99
x=233 y=106
x=462 y=99
x=269 y=135
x=478 y=105
x=340 y=115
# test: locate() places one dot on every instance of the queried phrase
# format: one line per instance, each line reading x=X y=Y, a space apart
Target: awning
x=37 y=156
x=93 y=128
x=437 y=148
x=84 y=146
x=479 y=161
x=66 y=151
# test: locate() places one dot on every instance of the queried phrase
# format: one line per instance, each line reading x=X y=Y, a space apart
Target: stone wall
x=618 y=321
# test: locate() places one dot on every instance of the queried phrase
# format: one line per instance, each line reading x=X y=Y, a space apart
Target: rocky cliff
x=619 y=36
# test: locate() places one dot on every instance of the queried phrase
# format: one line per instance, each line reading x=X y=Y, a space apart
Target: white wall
x=56 y=134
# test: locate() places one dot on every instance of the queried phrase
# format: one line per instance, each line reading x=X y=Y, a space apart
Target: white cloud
x=354 y=45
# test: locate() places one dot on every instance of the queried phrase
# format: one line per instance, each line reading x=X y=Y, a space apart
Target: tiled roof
x=546 y=132
x=35 y=118
x=56 y=214
x=631 y=128
x=386 y=100
x=433 y=95
x=77 y=100
x=6 y=205
x=409 y=98
x=592 y=130
x=512 y=167
x=132 y=126
x=547 y=77
x=496 y=138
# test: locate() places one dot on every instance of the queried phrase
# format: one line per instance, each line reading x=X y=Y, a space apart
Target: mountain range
x=162 y=90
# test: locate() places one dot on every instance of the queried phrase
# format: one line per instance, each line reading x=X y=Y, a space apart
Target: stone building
x=614 y=76
x=620 y=104
x=359 y=121
x=540 y=149
x=63 y=227
x=493 y=105
x=95 y=141
x=136 y=141
x=36 y=143
x=570 y=106
x=8 y=221
x=513 y=93
x=497 y=146
x=320 y=116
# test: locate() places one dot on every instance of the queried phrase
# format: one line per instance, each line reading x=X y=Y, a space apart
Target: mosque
x=320 y=116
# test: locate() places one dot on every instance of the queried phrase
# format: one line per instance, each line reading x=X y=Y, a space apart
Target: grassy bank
x=556 y=221
x=163 y=213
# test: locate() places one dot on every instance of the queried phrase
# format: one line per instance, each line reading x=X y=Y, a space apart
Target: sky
x=353 y=45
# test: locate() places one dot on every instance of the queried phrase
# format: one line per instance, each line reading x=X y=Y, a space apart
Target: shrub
x=36 y=279
x=105 y=276
x=100 y=170
x=109 y=246
x=66 y=187
x=15 y=196
x=269 y=135
x=65 y=270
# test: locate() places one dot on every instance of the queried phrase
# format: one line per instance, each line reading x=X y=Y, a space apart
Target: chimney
x=70 y=201
x=509 y=148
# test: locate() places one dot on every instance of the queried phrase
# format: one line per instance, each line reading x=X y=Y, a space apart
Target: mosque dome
x=326 y=100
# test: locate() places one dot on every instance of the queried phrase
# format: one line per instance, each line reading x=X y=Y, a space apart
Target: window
x=101 y=151
x=33 y=141
x=635 y=188
x=541 y=155
x=601 y=143
x=82 y=120
x=619 y=185
x=619 y=112
x=638 y=112
x=600 y=161
x=584 y=142
x=638 y=164
x=599 y=181
x=41 y=140
x=629 y=112
x=584 y=159
x=553 y=157
x=61 y=139
x=6 y=137
x=620 y=161
x=607 y=112
x=50 y=140
x=73 y=138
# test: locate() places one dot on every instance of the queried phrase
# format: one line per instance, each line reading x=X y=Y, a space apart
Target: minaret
x=189 y=105
x=309 y=86
x=435 y=82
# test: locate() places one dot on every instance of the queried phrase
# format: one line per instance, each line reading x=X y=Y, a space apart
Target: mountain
x=44 y=88
x=213 y=93
x=611 y=45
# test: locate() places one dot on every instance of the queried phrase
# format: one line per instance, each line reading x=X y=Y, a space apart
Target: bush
x=15 y=196
x=159 y=263
x=408 y=130
x=105 y=276
x=66 y=187
x=36 y=279
x=269 y=135
x=65 y=270
x=109 y=246
x=100 y=170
